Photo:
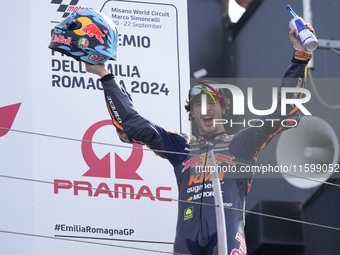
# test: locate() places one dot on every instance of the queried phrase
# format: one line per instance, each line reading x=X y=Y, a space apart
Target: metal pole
x=220 y=216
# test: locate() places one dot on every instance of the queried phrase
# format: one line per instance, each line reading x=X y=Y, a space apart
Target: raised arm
x=248 y=143
x=133 y=128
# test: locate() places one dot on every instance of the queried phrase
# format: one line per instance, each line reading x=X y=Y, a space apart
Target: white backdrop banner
x=55 y=96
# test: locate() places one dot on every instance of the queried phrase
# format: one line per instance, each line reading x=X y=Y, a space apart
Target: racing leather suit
x=196 y=222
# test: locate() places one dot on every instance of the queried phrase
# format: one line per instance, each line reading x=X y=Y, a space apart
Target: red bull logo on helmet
x=61 y=39
x=90 y=29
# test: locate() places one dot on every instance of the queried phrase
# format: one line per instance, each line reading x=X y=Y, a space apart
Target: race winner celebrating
x=196 y=231
x=196 y=224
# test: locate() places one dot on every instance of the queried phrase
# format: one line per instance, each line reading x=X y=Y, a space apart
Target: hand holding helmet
x=99 y=69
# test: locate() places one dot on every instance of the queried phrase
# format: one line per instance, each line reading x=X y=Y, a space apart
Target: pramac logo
x=102 y=167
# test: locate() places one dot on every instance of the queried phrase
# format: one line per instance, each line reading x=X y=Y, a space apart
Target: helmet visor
x=69 y=23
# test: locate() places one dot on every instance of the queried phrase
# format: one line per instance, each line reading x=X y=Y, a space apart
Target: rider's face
x=205 y=123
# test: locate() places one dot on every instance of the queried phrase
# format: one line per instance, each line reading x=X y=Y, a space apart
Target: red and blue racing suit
x=196 y=222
